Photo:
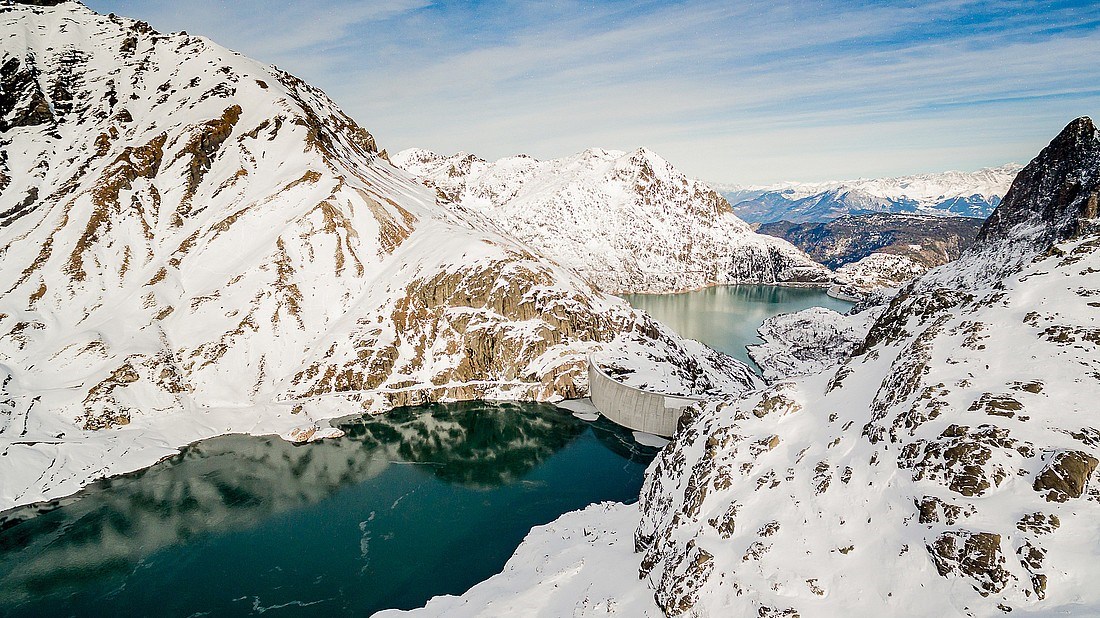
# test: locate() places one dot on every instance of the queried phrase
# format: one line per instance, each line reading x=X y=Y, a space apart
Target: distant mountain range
x=958 y=194
x=928 y=240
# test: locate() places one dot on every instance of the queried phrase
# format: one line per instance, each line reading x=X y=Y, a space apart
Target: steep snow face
x=628 y=222
x=965 y=194
x=947 y=467
x=192 y=243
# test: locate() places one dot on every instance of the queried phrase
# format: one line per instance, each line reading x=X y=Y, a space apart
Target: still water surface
x=419 y=502
x=726 y=317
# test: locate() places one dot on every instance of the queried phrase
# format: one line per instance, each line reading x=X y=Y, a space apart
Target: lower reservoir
x=418 y=502
x=415 y=503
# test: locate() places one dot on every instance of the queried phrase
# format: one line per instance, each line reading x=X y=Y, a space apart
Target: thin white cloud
x=730 y=91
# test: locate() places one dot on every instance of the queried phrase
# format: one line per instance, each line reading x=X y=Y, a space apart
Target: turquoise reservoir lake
x=416 y=503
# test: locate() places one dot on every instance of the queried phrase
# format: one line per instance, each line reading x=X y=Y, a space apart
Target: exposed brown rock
x=974 y=555
x=1065 y=475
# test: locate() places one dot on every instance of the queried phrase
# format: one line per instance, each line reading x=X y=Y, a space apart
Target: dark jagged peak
x=1052 y=198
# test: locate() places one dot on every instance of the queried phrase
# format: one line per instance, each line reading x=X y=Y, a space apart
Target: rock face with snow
x=628 y=222
x=955 y=194
x=878 y=270
x=947 y=467
x=809 y=341
x=193 y=243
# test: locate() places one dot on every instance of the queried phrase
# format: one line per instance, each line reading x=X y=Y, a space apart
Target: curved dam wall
x=634 y=408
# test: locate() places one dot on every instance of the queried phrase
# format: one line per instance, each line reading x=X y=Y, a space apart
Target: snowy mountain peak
x=627 y=221
x=194 y=243
x=1054 y=197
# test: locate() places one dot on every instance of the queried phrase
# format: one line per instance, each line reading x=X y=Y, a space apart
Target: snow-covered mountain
x=809 y=341
x=193 y=243
x=957 y=194
x=627 y=221
x=945 y=468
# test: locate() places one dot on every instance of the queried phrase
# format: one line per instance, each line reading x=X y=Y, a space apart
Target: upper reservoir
x=726 y=317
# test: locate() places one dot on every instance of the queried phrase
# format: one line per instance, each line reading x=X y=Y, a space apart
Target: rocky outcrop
x=1065 y=476
x=628 y=222
x=1058 y=192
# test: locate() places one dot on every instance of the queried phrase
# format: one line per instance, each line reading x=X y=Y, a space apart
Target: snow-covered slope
x=958 y=194
x=878 y=270
x=628 y=222
x=193 y=243
x=947 y=468
x=809 y=341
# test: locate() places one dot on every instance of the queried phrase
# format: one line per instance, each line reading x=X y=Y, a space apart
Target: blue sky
x=747 y=92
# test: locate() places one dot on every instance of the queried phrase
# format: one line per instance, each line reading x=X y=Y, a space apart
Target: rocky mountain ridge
x=928 y=240
x=627 y=221
x=881 y=249
x=945 y=467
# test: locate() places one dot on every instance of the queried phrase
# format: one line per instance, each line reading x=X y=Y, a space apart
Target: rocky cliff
x=628 y=222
